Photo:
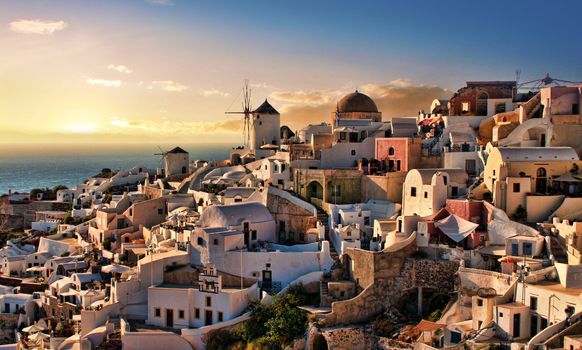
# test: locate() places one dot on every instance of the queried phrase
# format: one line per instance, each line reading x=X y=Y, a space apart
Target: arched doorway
x=541 y=180
x=482 y=103
x=235 y=159
x=315 y=190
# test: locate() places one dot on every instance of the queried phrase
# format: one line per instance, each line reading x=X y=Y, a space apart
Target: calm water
x=23 y=167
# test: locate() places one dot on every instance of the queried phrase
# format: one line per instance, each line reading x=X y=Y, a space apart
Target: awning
x=567 y=177
x=456 y=227
x=115 y=268
x=35 y=269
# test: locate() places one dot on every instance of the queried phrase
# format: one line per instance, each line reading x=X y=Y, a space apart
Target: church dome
x=356 y=102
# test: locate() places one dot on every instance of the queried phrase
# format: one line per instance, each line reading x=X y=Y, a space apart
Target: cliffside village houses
x=476 y=204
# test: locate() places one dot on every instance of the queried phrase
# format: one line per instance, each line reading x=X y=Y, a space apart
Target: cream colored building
x=514 y=173
x=176 y=162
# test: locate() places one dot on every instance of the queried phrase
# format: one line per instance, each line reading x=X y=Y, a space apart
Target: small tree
x=520 y=214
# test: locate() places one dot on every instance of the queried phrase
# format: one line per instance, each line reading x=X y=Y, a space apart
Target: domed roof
x=356 y=102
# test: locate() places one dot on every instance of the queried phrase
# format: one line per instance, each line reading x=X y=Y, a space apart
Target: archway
x=315 y=190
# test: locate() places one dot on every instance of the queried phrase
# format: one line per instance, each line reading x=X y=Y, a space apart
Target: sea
x=24 y=167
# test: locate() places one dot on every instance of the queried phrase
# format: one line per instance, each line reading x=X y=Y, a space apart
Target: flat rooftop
x=557 y=287
x=192 y=286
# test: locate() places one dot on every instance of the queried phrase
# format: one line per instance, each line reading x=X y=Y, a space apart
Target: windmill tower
x=175 y=161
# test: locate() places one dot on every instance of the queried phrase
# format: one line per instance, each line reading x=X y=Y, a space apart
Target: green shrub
x=222 y=339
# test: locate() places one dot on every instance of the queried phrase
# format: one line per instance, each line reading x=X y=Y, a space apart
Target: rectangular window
x=254 y=235
x=367 y=220
x=454 y=191
x=160 y=211
x=181 y=314
x=413 y=191
x=516 y=188
x=215 y=241
x=445 y=180
x=501 y=314
x=208 y=301
x=479 y=302
x=533 y=303
x=353 y=152
x=425 y=194
x=465 y=107
x=158 y=312
x=527 y=249
x=197 y=313
x=220 y=317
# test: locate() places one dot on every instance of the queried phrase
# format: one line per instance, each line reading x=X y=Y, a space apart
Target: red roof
x=428 y=326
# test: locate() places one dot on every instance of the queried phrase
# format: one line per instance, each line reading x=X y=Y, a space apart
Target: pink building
x=399 y=153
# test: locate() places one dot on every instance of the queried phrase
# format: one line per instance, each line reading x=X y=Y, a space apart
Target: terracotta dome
x=356 y=102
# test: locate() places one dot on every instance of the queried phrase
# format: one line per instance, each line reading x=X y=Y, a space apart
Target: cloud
x=119 y=68
x=169 y=85
x=308 y=97
x=37 y=26
x=262 y=85
x=171 y=128
x=104 y=82
x=214 y=92
x=397 y=98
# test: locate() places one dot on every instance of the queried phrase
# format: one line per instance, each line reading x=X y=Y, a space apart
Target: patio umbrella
x=33 y=329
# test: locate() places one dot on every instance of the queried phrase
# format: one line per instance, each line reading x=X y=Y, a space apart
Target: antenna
x=246 y=112
x=517 y=75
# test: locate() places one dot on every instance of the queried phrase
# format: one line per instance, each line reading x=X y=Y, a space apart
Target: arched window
x=541 y=180
x=391 y=151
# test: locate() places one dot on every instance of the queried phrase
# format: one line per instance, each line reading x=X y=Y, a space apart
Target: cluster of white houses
x=489 y=179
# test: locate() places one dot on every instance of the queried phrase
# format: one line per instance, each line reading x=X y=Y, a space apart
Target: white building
x=205 y=303
x=425 y=191
x=251 y=218
x=265 y=130
x=176 y=162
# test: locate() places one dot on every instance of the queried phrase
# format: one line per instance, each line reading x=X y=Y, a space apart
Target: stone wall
x=383 y=187
x=8 y=323
x=349 y=338
x=297 y=219
x=385 y=279
x=11 y=222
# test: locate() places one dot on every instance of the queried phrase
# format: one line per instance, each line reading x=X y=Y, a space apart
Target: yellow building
x=513 y=174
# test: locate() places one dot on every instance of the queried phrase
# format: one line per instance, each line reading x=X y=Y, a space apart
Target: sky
x=165 y=71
